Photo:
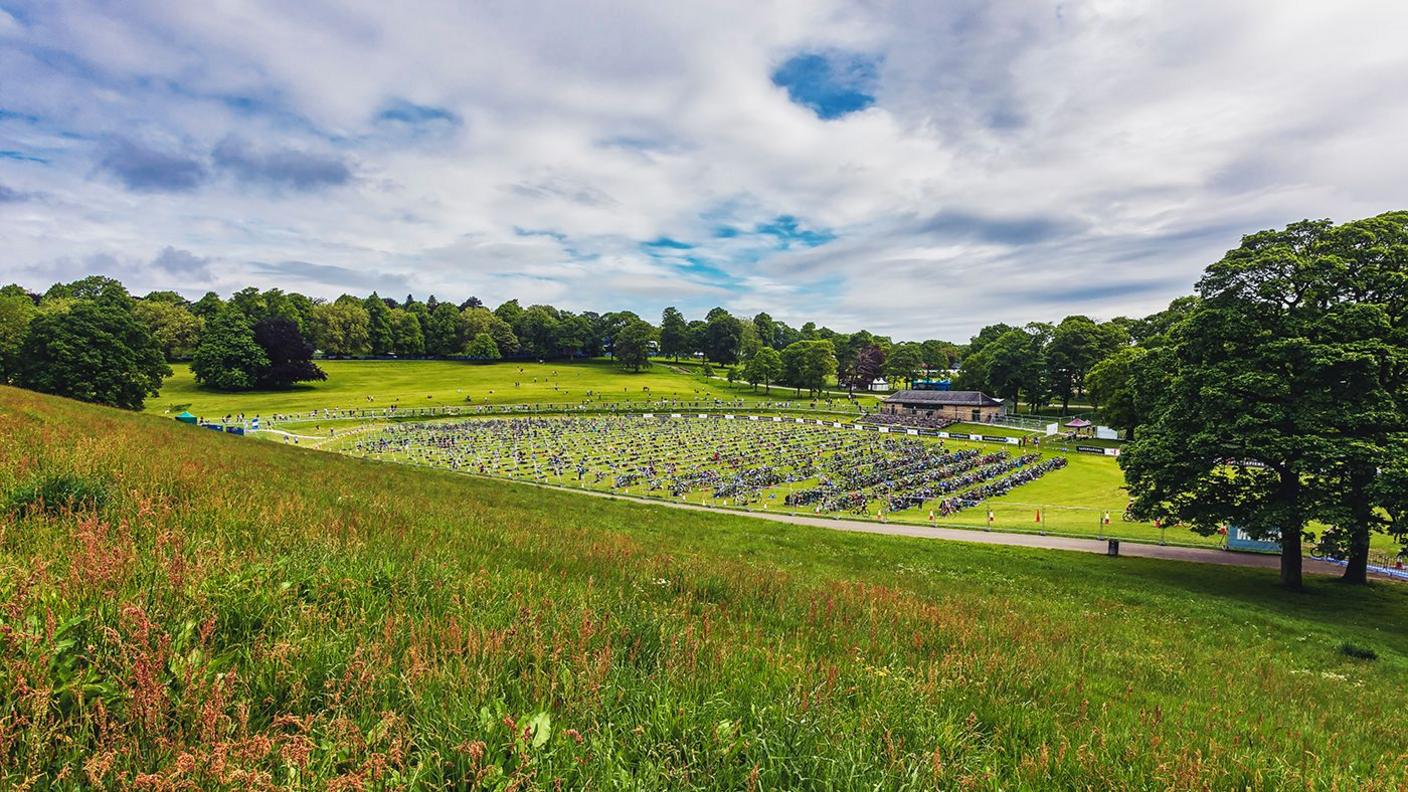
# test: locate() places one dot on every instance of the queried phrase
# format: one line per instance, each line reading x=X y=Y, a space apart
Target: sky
x=919 y=169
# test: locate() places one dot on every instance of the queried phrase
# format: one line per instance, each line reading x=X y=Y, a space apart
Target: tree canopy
x=95 y=350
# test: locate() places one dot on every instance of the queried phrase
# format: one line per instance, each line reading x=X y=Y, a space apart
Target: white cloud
x=1020 y=161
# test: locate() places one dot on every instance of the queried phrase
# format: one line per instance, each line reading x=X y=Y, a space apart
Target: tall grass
x=235 y=614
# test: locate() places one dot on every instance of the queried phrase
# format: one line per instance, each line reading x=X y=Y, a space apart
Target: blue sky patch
x=20 y=156
x=404 y=112
x=831 y=84
x=668 y=243
x=786 y=230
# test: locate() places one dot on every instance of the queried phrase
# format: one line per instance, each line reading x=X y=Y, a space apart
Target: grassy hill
x=185 y=609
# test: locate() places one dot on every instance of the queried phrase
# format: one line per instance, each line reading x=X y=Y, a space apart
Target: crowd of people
x=749 y=461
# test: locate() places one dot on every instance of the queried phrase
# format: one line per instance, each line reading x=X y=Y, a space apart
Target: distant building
x=961 y=405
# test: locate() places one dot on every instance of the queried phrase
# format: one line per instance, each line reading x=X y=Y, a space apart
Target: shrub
x=56 y=492
x=1358 y=652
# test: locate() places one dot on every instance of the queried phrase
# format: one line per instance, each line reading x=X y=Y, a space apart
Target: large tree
x=1010 y=365
x=16 y=312
x=1365 y=297
x=95 y=351
x=444 y=331
x=1260 y=410
x=288 y=354
x=904 y=363
x=722 y=337
x=674 y=333
x=809 y=364
x=228 y=358
x=381 y=335
x=343 y=328
x=174 y=327
x=631 y=347
x=763 y=368
x=866 y=365
x=482 y=347
x=482 y=320
x=1119 y=386
x=766 y=329
x=407 y=338
x=1077 y=344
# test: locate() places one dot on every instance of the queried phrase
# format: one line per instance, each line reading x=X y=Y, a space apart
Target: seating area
x=908 y=421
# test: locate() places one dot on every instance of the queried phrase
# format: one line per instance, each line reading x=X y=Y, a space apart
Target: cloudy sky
x=920 y=168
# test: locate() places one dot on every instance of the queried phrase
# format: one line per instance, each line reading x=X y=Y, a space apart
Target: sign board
x=1112 y=452
x=911 y=431
x=1091 y=449
x=884 y=430
x=1239 y=539
x=728 y=417
x=997 y=438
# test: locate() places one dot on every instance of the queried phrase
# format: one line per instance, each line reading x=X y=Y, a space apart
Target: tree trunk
x=1357 y=570
x=1289 y=500
x=1291 y=559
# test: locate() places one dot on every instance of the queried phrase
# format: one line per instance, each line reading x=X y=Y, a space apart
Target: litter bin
x=1114 y=548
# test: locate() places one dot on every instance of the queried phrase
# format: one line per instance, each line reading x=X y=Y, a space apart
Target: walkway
x=1197 y=555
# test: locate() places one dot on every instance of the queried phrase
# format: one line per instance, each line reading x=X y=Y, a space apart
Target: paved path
x=1199 y=555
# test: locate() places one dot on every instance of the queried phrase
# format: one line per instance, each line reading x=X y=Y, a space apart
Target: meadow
x=439 y=383
x=181 y=609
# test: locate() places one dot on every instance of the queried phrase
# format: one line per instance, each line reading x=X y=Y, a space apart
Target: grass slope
x=438 y=383
x=239 y=614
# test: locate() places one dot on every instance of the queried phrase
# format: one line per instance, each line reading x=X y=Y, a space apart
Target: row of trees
x=1040 y=362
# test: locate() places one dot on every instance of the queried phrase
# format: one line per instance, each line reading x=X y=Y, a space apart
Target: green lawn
x=438 y=383
x=237 y=614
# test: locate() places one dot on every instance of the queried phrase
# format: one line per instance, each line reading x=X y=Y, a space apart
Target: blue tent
x=187 y=418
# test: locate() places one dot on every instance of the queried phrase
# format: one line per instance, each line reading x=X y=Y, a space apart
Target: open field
x=439 y=383
x=242 y=614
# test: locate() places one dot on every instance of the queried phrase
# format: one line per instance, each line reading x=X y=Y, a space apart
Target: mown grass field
x=439 y=383
x=214 y=612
